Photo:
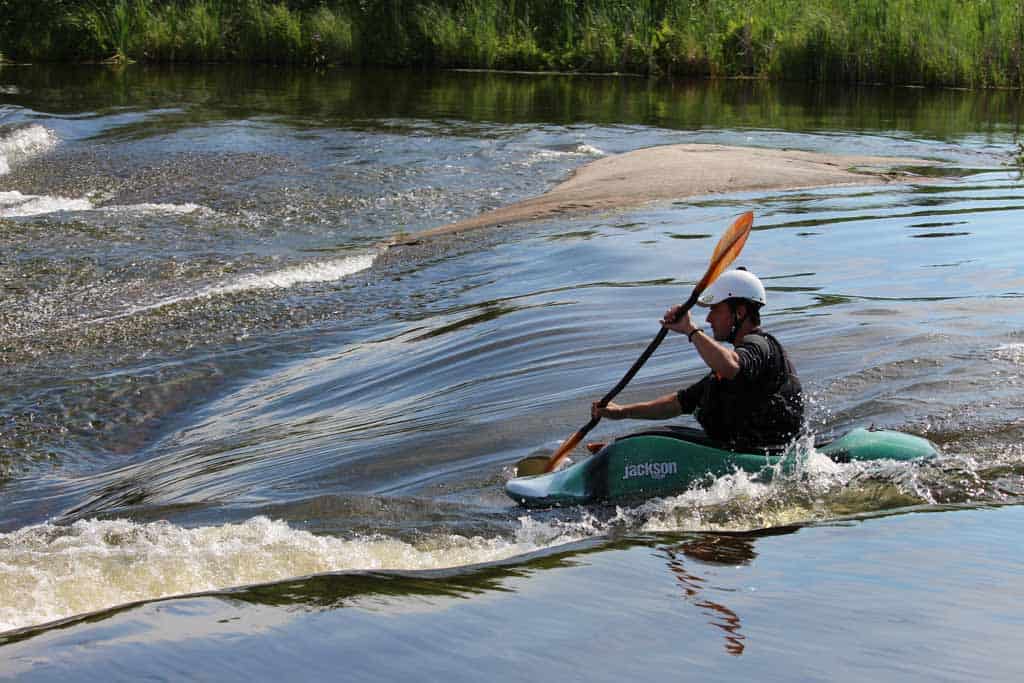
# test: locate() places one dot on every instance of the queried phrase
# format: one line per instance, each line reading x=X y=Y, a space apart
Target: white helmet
x=735 y=284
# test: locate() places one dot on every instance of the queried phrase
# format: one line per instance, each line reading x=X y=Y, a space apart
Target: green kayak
x=668 y=461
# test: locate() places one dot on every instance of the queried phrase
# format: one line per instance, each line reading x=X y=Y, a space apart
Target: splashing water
x=23 y=143
x=49 y=572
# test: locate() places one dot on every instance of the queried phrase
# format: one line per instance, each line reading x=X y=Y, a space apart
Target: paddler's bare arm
x=659 y=409
x=724 y=361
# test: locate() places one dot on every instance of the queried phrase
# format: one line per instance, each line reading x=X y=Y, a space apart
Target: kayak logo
x=654 y=470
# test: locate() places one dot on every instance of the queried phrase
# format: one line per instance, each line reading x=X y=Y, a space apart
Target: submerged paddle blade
x=566 y=448
x=728 y=248
x=531 y=465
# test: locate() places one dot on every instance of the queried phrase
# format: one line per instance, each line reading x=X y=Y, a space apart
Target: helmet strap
x=737 y=322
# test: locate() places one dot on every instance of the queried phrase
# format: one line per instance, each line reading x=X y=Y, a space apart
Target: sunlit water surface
x=215 y=376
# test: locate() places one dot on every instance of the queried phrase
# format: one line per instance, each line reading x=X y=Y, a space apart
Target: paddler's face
x=720 y=319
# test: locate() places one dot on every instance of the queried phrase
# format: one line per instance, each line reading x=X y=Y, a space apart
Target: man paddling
x=752 y=397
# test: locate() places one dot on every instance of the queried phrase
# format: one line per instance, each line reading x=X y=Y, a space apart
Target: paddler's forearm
x=725 y=362
x=659 y=409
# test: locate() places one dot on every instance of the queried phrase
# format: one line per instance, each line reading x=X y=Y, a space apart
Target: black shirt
x=761 y=407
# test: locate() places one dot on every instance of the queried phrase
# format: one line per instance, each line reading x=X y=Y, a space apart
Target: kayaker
x=752 y=397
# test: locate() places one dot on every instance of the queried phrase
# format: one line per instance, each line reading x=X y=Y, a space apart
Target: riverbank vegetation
x=966 y=43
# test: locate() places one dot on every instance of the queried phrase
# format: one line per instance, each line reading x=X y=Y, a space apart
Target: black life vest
x=756 y=413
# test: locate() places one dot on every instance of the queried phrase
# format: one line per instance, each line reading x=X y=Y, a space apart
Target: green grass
x=968 y=43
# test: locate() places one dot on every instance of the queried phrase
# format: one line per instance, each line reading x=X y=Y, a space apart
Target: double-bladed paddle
x=726 y=251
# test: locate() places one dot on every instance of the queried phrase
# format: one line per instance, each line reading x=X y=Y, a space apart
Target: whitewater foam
x=1013 y=353
x=151 y=208
x=50 y=572
x=581 y=149
x=589 y=150
x=326 y=271
x=23 y=143
x=14 y=204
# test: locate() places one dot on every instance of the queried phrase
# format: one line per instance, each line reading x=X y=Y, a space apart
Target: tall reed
x=971 y=43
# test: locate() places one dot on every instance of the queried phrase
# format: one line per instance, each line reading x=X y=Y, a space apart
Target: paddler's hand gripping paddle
x=726 y=251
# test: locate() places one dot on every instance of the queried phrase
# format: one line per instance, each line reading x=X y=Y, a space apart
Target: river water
x=217 y=384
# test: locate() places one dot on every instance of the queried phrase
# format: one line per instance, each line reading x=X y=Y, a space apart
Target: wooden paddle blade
x=728 y=248
x=531 y=465
x=566 y=448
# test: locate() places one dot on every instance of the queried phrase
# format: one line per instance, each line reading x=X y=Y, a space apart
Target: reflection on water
x=693 y=562
x=192 y=97
x=724 y=550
